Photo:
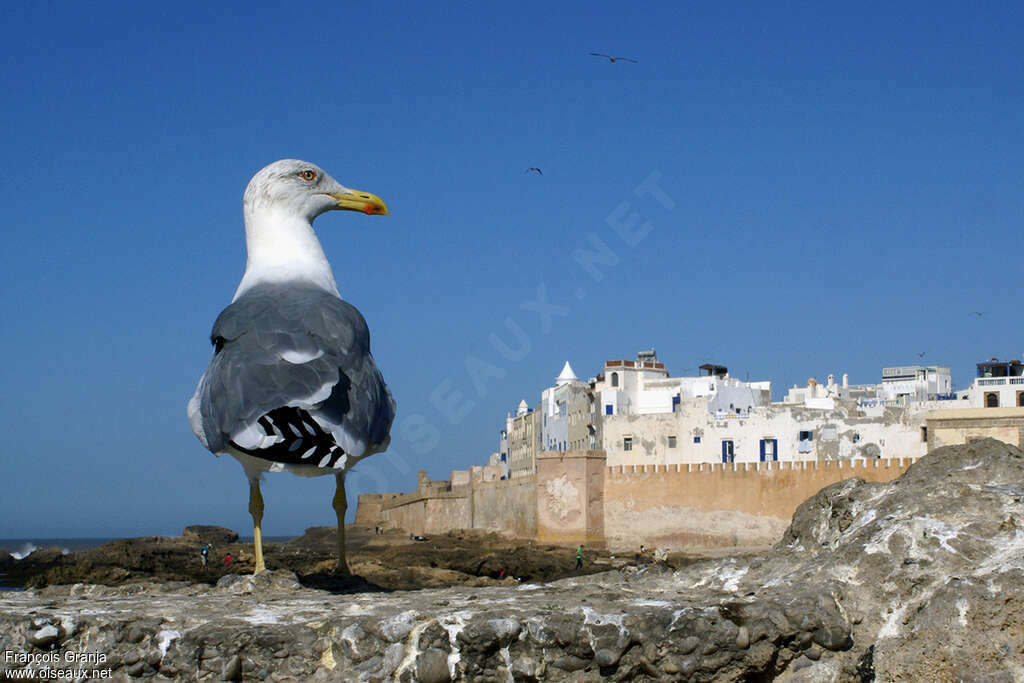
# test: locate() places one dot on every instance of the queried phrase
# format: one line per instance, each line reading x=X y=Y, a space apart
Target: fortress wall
x=508 y=506
x=953 y=427
x=570 y=497
x=504 y=506
x=368 y=508
x=716 y=505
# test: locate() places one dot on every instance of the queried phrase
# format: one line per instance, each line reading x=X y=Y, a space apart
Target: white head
x=280 y=204
x=306 y=190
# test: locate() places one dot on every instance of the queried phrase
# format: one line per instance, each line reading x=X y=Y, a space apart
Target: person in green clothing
x=579 y=557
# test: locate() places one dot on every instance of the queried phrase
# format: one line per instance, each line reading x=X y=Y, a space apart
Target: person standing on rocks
x=204 y=552
x=579 y=557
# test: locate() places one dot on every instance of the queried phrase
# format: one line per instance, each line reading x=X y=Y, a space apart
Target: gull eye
x=308 y=175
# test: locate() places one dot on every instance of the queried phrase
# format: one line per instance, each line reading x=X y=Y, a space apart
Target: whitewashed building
x=566 y=423
x=916 y=382
x=520 y=442
x=999 y=384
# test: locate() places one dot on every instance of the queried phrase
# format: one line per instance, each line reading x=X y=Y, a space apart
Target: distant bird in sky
x=614 y=59
x=921 y=354
x=292 y=385
x=977 y=313
x=534 y=168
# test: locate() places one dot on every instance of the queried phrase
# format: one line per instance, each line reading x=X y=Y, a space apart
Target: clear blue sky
x=845 y=188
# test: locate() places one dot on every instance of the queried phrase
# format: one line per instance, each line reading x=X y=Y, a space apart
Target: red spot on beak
x=369 y=209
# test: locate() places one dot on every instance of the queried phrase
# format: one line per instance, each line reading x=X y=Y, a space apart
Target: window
x=671 y=442
x=804 y=446
x=924 y=435
x=1020 y=399
x=728 y=452
x=675 y=403
x=991 y=400
x=627 y=443
x=769 y=450
x=609 y=409
x=856 y=437
x=696 y=439
x=615 y=379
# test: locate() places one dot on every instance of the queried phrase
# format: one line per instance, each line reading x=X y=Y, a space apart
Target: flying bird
x=292 y=385
x=977 y=313
x=614 y=59
x=534 y=168
x=921 y=354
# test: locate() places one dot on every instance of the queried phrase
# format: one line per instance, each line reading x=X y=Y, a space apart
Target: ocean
x=20 y=548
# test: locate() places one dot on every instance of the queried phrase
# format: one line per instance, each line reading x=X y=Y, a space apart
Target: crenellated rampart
x=716 y=504
x=576 y=498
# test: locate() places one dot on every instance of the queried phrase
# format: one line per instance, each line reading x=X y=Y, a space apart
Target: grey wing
x=292 y=380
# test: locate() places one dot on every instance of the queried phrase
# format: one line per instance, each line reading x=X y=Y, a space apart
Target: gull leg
x=340 y=506
x=256 y=510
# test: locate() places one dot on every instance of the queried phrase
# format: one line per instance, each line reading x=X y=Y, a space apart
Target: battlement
x=851 y=465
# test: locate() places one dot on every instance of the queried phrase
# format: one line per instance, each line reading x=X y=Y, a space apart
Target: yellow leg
x=340 y=506
x=256 y=510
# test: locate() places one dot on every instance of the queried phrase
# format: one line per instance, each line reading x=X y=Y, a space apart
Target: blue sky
x=844 y=188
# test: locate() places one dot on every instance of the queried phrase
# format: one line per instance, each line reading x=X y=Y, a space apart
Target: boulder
x=202 y=533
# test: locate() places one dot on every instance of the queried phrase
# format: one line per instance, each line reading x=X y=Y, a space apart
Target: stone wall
x=576 y=498
x=432 y=513
x=473 y=499
x=712 y=505
x=570 y=497
x=954 y=427
x=369 y=507
x=508 y=506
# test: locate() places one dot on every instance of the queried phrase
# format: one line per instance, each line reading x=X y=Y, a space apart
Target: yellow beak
x=357 y=200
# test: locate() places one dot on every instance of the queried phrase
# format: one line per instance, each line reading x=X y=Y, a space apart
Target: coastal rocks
x=929 y=568
x=585 y=629
x=390 y=561
x=916 y=579
x=217 y=535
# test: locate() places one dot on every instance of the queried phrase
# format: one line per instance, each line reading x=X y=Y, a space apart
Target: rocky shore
x=391 y=561
x=915 y=579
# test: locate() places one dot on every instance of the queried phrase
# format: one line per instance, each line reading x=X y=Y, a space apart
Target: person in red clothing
x=227 y=560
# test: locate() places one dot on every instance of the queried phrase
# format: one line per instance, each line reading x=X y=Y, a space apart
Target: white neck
x=281 y=247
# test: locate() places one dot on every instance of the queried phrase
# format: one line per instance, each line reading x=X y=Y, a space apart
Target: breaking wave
x=27 y=549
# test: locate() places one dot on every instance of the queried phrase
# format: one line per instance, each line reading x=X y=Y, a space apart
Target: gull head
x=305 y=190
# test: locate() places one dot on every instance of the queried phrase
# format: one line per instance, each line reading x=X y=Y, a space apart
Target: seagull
x=292 y=385
x=534 y=168
x=977 y=313
x=614 y=59
x=921 y=354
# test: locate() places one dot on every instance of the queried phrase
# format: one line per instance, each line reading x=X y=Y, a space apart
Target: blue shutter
x=775 y=449
x=762 y=450
x=608 y=409
x=725 y=452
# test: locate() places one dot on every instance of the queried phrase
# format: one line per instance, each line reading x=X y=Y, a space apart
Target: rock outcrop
x=390 y=561
x=916 y=579
x=204 y=533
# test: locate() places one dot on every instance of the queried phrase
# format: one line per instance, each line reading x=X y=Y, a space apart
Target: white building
x=566 y=414
x=521 y=442
x=999 y=384
x=916 y=382
x=779 y=432
x=643 y=387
